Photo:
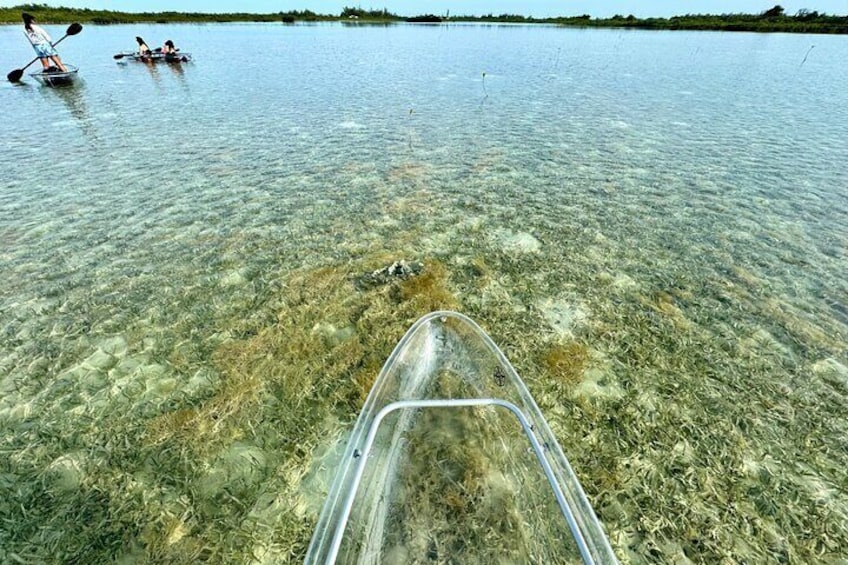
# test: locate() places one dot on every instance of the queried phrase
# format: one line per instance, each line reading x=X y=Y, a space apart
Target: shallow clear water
x=680 y=192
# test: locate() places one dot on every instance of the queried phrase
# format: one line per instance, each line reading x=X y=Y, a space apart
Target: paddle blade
x=15 y=75
x=74 y=29
x=118 y=56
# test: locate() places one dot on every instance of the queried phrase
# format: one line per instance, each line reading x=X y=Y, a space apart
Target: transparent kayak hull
x=452 y=461
x=54 y=79
x=162 y=58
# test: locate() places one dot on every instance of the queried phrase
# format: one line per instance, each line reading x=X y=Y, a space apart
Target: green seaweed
x=723 y=439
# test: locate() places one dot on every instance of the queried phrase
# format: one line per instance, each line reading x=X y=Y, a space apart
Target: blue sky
x=539 y=8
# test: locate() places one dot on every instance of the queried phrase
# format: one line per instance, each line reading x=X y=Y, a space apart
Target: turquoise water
x=674 y=201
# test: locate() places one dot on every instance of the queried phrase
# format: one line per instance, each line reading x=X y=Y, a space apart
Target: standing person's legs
x=43 y=53
x=46 y=53
x=56 y=59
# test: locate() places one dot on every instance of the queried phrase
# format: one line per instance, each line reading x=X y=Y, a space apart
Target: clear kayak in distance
x=156 y=57
x=53 y=78
x=451 y=460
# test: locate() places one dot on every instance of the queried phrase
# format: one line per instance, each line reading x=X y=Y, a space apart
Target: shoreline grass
x=772 y=20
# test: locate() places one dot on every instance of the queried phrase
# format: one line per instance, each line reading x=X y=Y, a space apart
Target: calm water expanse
x=652 y=225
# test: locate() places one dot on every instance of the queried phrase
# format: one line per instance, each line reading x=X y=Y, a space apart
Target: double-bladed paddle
x=16 y=75
x=120 y=56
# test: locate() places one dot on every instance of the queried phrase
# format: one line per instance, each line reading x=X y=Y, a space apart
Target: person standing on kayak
x=41 y=42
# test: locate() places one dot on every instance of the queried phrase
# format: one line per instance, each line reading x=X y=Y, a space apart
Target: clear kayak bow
x=451 y=460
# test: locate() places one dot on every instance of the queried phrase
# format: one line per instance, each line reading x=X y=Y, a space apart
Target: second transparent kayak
x=451 y=460
x=155 y=57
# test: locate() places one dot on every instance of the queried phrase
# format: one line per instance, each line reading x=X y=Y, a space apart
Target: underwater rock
x=762 y=342
x=623 y=282
x=599 y=384
x=158 y=381
x=831 y=371
x=127 y=366
x=68 y=472
x=399 y=270
x=332 y=335
x=564 y=315
x=99 y=361
x=204 y=380
x=17 y=412
x=517 y=243
x=116 y=346
x=239 y=468
x=233 y=279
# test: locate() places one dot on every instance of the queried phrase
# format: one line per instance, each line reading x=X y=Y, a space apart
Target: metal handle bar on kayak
x=455 y=403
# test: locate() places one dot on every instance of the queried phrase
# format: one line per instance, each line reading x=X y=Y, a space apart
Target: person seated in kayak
x=143 y=49
x=169 y=49
x=42 y=43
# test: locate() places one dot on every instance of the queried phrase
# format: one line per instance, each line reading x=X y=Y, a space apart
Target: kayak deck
x=451 y=460
x=57 y=78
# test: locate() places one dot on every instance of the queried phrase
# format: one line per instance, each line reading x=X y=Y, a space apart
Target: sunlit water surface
x=670 y=207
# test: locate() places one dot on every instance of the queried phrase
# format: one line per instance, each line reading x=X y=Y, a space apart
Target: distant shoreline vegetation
x=772 y=20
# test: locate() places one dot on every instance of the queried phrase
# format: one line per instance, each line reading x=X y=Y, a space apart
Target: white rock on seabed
x=116 y=345
x=399 y=270
x=67 y=471
x=619 y=282
x=233 y=278
x=761 y=341
x=565 y=315
x=832 y=371
x=17 y=412
x=517 y=243
x=99 y=361
x=597 y=384
x=242 y=465
x=332 y=335
x=622 y=281
x=203 y=380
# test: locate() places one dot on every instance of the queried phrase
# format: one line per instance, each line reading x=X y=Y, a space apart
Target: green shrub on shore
x=773 y=19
